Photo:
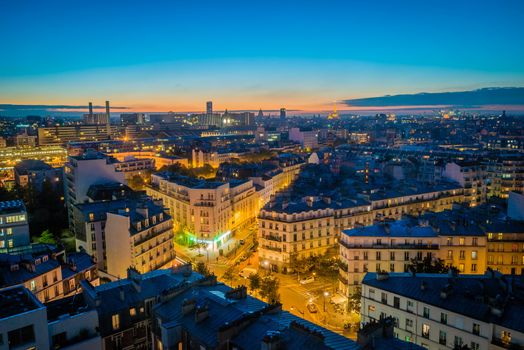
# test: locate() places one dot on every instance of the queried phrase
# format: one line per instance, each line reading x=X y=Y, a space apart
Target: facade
x=506 y=174
x=290 y=232
x=81 y=172
x=139 y=236
x=307 y=138
x=132 y=166
x=60 y=135
x=96 y=119
x=48 y=273
x=26 y=323
x=392 y=246
x=439 y=311
x=505 y=241
x=34 y=173
x=14 y=228
x=132 y=119
x=470 y=175
x=206 y=211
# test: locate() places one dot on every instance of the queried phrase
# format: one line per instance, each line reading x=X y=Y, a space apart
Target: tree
x=354 y=301
x=202 y=269
x=136 y=183
x=254 y=282
x=229 y=274
x=269 y=289
x=428 y=265
x=46 y=238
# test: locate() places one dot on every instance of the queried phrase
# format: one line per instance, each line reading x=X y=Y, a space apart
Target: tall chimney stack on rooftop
x=108 y=120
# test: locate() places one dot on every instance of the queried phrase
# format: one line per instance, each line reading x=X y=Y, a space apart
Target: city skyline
x=247 y=56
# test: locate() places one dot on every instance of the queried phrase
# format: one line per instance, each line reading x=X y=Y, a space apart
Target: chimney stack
x=108 y=120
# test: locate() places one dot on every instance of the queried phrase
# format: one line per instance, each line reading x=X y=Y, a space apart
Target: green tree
x=429 y=265
x=354 y=301
x=254 y=282
x=229 y=274
x=47 y=238
x=202 y=269
x=137 y=182
x=269 y=289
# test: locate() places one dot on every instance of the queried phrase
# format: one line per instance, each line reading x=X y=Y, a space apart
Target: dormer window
x=139 y=225
x=45 y=258
x=146 y=222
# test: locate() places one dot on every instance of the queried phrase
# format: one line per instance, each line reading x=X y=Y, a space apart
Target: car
x=307 y=280
x=312 y=308
x=247 y=271
x=242 y=242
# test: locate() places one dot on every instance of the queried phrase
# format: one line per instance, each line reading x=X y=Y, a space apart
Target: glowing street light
x=326 y=294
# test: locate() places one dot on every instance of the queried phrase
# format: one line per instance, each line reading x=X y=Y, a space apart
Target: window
x=475 y=241
x=409 y=323
x=384 y=298
x=33 y=285
x=475 y=346
x=462 y=241
x=461 y=267
x=20 y=336
x=378 y=256
x=458 y=341
x=115 y=321
x=406 y=256
x=392 y=256
x=409 y=307
x=426 y=312
x=473 y=267
x=443 y=318
x=371 y=308
x=442 y=338
x=425 y=330
x=476 y=329
x=396 y=302
x=132 y=311
x=462 y=255
x=450 y=254
x=392 y=267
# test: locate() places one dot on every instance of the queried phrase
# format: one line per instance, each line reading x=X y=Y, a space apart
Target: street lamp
x=326 y=294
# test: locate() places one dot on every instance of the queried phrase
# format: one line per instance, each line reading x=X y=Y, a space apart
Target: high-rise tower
x=108 y=120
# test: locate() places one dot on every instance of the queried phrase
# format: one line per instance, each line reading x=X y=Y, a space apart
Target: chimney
x=271 y=341
x=201 y=313
x=90 y=110
x=188 y=306
x=108 y=120
x=121 y=293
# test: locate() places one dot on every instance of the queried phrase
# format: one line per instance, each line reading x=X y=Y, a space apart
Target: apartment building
x=26 y=323
x=83 y=171
x=47 y=272
x=139 y=236
x=290 y=232
x=308 y=139
x=34 y=173
x=206 y=211
x=91 y=218
x=14 y=227
x=506 y=174
x=505 y=242
x=440 y=311
x=471 y=175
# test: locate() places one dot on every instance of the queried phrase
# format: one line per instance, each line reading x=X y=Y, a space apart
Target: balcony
x=275 y=249
x=390 y=246
x=273 y=238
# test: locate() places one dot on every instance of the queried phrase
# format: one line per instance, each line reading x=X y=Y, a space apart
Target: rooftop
x=476 y=296
x=26 y=165
x=9 y=207
x=17 y=300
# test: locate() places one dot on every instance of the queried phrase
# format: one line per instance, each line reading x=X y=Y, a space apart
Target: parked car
x=307 y=280
x=247 y=271
x=312 y=308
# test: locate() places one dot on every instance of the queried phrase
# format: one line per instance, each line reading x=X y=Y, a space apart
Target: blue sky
x=174 y=55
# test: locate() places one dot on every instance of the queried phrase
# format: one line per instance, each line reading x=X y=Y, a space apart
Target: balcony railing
x=389 y=246
x=507 y=344
x=275 y=249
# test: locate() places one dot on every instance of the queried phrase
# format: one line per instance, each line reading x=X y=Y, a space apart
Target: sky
x=175 y=55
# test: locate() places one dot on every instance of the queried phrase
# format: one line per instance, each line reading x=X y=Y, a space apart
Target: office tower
x=209 y=107
x=132 y=119
x=90 y=109
x=282 y=113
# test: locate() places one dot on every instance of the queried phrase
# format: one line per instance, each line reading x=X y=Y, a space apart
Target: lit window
x=115 y=321
x=132 y=311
